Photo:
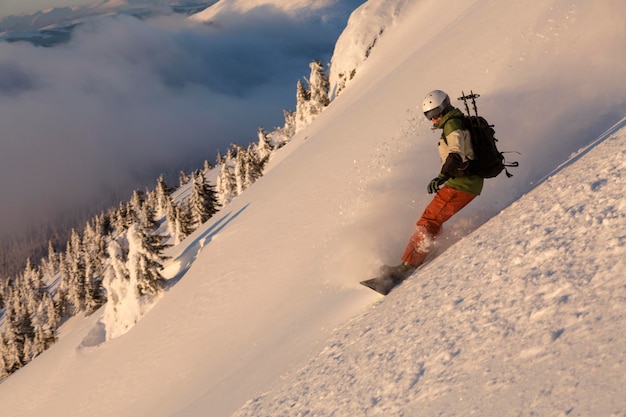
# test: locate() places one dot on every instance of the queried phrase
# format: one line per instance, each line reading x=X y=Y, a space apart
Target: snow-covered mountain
x=52 y=26
x=521 y=313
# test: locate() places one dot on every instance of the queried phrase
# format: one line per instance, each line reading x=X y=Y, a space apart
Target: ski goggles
x=433 y=113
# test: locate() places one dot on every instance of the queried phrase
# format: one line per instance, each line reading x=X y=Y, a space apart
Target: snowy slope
x=524 y=298
x=321 y=9
x=366 y=26
x=525 y=316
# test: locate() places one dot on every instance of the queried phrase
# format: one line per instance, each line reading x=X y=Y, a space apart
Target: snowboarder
x=452 y=190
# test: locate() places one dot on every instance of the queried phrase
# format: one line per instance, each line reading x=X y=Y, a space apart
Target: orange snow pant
x=446 y=203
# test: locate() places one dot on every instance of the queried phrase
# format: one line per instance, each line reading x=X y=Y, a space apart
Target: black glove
x=453 y=166
x=435 y=183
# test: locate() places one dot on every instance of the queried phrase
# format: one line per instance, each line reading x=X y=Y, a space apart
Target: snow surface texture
x=524 y=315
x=366 y=25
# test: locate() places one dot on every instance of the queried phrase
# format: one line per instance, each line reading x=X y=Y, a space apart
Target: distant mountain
x=53 y=26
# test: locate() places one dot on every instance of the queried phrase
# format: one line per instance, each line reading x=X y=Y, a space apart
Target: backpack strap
x=452 y=124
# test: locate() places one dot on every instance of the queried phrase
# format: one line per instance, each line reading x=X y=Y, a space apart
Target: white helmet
x=435 y=104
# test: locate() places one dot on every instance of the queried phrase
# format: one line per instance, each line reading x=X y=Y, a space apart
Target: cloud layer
x=128 y=99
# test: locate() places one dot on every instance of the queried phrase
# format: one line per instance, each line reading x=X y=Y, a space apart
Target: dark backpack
x=488 y=161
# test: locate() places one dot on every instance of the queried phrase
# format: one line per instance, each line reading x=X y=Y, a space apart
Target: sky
x=521 y=312
x=126 y=100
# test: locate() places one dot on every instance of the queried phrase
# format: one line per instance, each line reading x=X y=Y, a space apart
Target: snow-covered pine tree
x=37 y=304
x=303 y=116
x=116 y=269
x=32 y=287
x=219 y=159
x=45 y=323
x=63 y=305
x=135 y=205
x=120 y=219
x=145 y=259
x=4 y=286
x=121 y=309
x=169 y=211
x=184 y=221
x=203 y=201
x=163 y=194
x=50 y=264
x=76 y=279
x=18 y=326
x=151 y=203
x=183 y=178
x=4 y=366
x=263 y=147
x=319 y=85
x=239 y=169
x=310 y=102
x=226 y=183
x=289 y=128
x=94 y=244
x=254 y=166
x=12 y=349
x=147 y=216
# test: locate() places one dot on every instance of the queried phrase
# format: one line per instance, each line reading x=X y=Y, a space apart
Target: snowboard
x=382 y=285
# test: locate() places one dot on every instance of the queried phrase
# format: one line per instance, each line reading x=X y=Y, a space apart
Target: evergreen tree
x=116 y=270
x=12 y=349
x=163 y=194
x=319 y=86
x=45 y=323
x=240 y=168
x=253 y=166
x=94 y=244
x=147 y=217
x=263 y=147
x=184 y=221
x=34 y=288
x=119 y=289
x=3 y=292
x=76 y=288
x=19 y=329
x=51 y=263
x=170 y=214
x=36 y=315
x=135 y=205
x=145 y=259
x=203 y=201
x=303 y=96
x=121 y=219
x=151 y=203
x=4 y=365
x=63 y=305
x=311 y=101
x=226 y=183
x=289 y=128
x=219 y=159
x=183 y=178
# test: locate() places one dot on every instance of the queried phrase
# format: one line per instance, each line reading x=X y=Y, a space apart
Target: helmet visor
x=433 y=113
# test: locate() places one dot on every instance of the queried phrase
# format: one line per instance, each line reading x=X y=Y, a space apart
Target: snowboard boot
x=397 y=273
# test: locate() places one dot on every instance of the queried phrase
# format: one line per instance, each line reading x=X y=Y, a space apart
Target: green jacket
x=457 y=140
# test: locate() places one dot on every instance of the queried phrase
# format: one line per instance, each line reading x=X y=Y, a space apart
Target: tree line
x=126 y=244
